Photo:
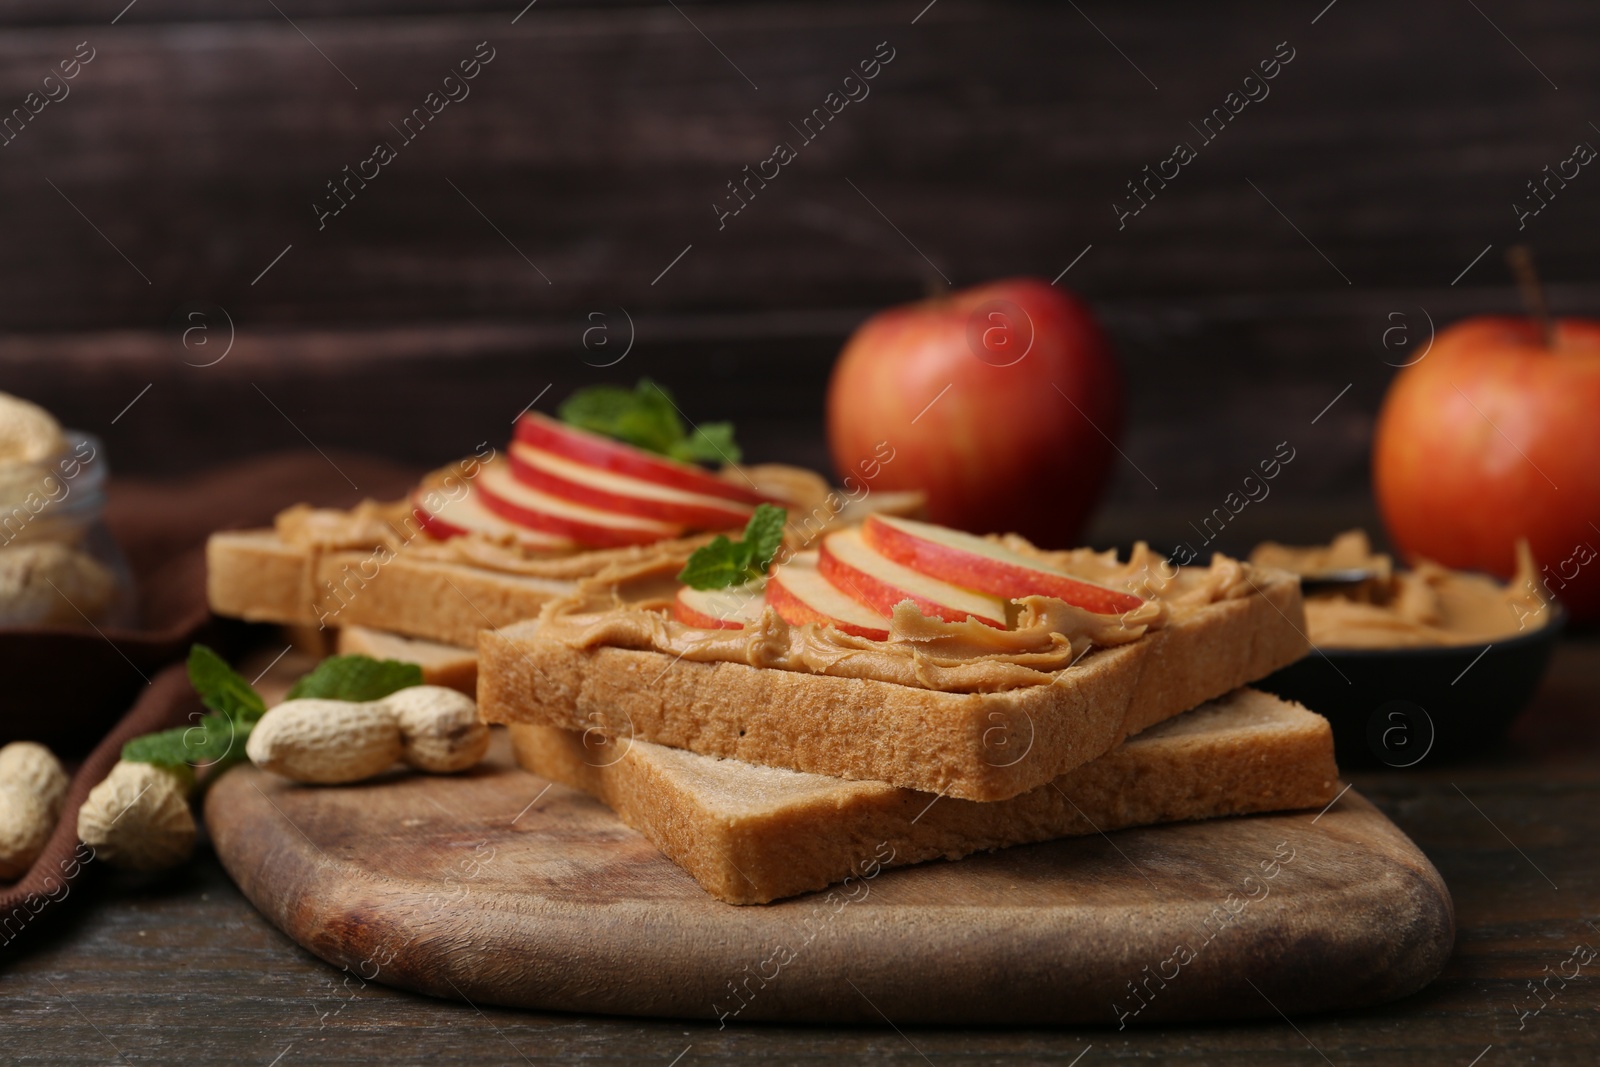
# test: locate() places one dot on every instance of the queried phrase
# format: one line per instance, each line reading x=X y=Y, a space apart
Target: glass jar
x=59 y=565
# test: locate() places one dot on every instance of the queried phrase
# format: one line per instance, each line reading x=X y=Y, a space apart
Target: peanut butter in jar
x=58 y=563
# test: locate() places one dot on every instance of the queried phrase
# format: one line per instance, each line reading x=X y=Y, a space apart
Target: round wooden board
x=498 y=887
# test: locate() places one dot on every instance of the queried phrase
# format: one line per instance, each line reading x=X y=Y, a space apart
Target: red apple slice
x=973 y=563
x=597 y=451
x=597 y=487
x=526 y=506
x=799 y=593
x=881 y=583
x=455 y=518
x=719 y=609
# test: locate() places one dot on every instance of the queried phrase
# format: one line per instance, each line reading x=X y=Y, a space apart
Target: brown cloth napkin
x=167 y=701
x=68 y=687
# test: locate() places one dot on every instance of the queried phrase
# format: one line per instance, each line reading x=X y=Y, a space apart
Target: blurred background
x=175 y=278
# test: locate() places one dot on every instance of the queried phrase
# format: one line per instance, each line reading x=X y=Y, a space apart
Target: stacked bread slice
x=982 y=746
x=751 y=834
x=764 y=779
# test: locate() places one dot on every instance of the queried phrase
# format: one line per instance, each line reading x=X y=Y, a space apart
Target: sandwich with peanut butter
x=895 y=681
x=612 y=490
x=897 y=651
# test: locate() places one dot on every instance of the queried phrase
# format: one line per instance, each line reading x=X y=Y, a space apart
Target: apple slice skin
x=602 y=452
x=795 y=611
x=987 y=574
x=881 y=595
x=436 y=524
x=703 y=608
x=705 y=516
x=593 y=535
x=438 y=527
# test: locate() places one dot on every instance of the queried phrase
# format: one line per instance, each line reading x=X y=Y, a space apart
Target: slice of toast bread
x=446 y=665
x=978 y=746
x=258 y=576
x=751 y=834
x=261 y=576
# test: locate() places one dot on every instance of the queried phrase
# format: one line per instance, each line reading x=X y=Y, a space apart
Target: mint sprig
x=358 y=678
x=647 y=418
x=724 y=563
x=221 y=688
x=218 y=739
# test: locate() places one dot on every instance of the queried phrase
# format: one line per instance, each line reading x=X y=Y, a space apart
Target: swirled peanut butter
x=963 y=657
x=390 y=527
x=1429 y=605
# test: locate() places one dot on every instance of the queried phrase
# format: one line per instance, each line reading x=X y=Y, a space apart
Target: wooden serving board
x=498 y=887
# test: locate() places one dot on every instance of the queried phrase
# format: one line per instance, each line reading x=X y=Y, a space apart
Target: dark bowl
x=1401 y=707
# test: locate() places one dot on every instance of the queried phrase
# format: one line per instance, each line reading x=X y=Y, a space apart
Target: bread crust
x=261 y=576
x=977 y=746
x=255 y=575
x=751 y=834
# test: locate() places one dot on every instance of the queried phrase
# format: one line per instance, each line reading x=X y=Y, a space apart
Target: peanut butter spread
x=391 y=527
x=1429 y=605
x=960 y=657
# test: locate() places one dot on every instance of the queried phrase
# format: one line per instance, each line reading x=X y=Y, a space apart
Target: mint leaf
x=711 y=442
x=358 y=678
x=713 y=566
x=643 y=417
x=216 y=740
x=221 y=688
x=647 y=418
x=764 y=535
x=724 y=563
x=165 y=748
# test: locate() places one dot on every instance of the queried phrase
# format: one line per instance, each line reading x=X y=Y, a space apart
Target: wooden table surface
x=184 y=971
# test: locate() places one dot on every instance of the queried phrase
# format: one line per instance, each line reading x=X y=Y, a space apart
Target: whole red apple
x=1493 y=436
x=1000 y=402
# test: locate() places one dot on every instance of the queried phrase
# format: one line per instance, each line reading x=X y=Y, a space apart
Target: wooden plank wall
x=188 y=153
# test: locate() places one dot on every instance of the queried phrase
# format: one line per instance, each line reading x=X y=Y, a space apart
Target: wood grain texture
x=599 y=138
x=996 y=141
x=491 y=889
